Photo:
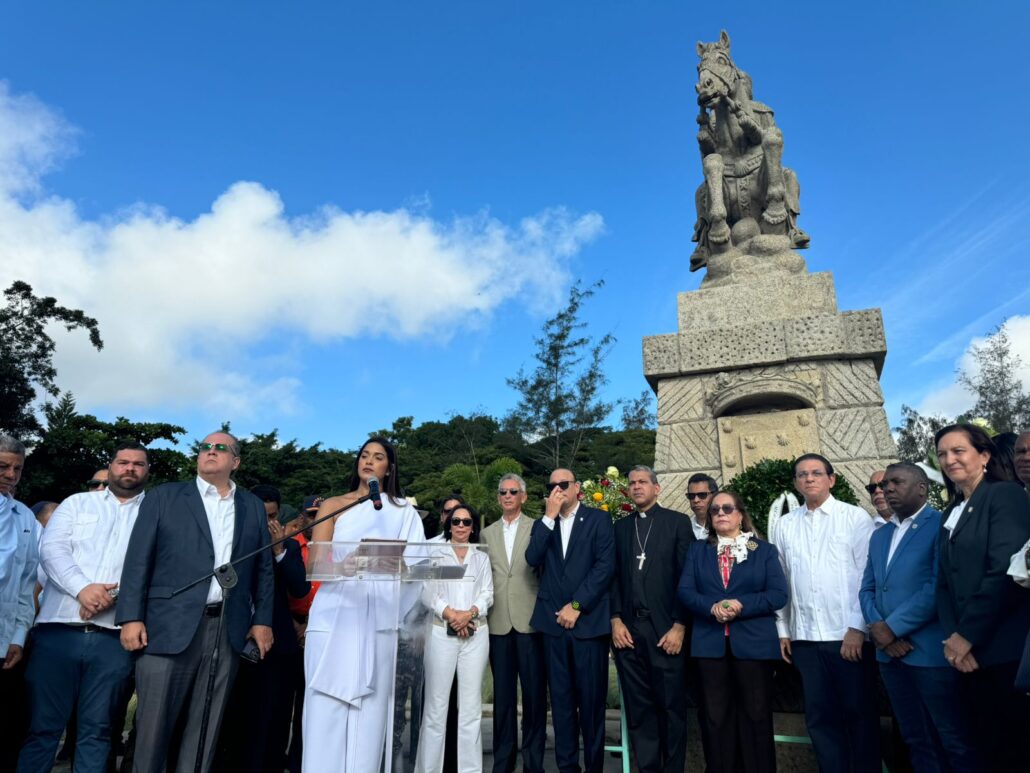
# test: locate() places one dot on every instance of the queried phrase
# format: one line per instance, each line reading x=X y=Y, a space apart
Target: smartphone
x=251 y=652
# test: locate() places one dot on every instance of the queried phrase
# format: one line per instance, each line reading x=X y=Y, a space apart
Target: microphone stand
x=226 y=577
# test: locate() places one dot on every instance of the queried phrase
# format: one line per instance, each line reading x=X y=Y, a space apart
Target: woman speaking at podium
x=352 y=628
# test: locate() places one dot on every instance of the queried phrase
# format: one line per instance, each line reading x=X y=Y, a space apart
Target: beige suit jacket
x=515 y=585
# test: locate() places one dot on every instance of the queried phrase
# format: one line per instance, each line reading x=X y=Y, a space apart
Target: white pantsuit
x=350 y=651
x=446 y=655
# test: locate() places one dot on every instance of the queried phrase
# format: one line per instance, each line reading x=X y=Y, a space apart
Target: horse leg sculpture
x=772 y=147
x=719 y=231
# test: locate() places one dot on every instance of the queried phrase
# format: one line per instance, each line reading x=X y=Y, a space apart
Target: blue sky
x=319 y=217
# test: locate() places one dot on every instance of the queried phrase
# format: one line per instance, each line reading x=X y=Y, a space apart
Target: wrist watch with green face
x=575 y=605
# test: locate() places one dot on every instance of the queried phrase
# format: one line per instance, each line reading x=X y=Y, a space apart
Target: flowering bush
x=610 y=492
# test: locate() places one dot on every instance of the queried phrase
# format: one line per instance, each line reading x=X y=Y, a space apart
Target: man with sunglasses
x=184 y=531
x=875 y=488
x=516 y=649
x=573 y=548
x=98 y=482
x=700 y=490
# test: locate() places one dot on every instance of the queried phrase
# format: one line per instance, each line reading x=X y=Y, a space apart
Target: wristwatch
x=575 y=605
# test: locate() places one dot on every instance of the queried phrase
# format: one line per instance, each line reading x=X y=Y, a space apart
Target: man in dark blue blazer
x=184 y=531
x=898 y=597
x=573 y=548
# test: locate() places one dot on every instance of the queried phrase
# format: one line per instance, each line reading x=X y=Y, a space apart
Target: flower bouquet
x=609 y=492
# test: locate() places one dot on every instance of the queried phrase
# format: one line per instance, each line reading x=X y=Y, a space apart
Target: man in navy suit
x=898 y=597
x=573 y=548
x=183 y=531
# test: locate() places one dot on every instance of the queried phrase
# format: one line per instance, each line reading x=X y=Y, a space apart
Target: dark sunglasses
x=222 y=448
x=698 y=495
x=726 y=509
x=461 y=521
x=882 y=485
x=562 y=484
x=96 y=484
x=448 y=510
x=512 y=491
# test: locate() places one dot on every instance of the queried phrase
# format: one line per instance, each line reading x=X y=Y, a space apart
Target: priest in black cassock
x=650 y=633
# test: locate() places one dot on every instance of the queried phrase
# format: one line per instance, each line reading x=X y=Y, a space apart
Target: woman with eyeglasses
x=733 y=584
x=984 y=614
x=459 y=643
x=351 y=639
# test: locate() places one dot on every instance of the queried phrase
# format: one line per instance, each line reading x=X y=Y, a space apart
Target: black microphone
x=373 y=493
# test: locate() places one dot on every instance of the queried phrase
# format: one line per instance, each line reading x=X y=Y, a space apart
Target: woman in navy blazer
x=733 y=585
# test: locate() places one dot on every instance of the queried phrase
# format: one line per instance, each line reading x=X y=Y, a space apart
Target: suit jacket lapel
x=521 y=539
x=907 y=537
x=240 y=513
x=577 y=528
x=972 y=505
x=196 y=507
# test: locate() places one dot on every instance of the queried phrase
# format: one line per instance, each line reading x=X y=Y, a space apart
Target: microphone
x=373 y=492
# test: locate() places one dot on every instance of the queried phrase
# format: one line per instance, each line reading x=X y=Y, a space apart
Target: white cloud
x=180 y=302
x=953 y=399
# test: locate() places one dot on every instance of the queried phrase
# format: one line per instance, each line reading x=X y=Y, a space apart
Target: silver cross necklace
x=642 y=545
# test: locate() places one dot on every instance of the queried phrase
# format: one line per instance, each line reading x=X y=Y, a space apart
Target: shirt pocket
x=85 y=526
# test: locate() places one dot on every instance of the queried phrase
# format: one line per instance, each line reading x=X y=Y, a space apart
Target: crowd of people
x=125 y=590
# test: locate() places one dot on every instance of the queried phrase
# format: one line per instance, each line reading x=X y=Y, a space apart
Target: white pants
x=445 y=655
x=339 y=737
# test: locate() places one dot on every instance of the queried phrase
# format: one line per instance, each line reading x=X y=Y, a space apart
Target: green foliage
x=638 y=413
x=477 y=486
x=760 y=484
x=560 y=399
x=27 y=354
x=914 y=437
x=995 y=381
x=75 y=446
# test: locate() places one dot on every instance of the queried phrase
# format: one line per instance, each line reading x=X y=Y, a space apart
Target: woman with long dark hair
x=984 y=614
x=351 y=637
x=733 y=584
x=459 y=644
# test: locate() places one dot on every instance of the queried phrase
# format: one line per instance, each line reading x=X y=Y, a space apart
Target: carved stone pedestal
x=767 y=368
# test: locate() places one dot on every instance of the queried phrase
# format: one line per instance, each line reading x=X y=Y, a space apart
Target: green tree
x=996 y=385
x=561 y=398
x=914 y=436
x=638 y=414
x=75 y=445
x=27 y=354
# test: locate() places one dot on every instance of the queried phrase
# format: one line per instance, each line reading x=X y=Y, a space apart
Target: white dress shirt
x=1017 y=566
x=221 y=517
x=84 y=543
x=476 y=592
x=899 y=531
x=823 y=553
x=567 y=522
x=700 y=530
x=510 y=531
x=955 y=514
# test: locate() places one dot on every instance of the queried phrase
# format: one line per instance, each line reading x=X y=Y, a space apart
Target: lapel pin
x=581 y=519
x=915 y=526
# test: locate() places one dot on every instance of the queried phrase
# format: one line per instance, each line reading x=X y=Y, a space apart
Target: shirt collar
x=108 y=496
x=514 y=521
x=649 y=512
x=209 y=489
x=823 y=508
x=897 y=521
x=571 y=514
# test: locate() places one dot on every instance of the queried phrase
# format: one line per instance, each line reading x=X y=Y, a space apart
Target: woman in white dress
x=459 y=642
x=351 y=638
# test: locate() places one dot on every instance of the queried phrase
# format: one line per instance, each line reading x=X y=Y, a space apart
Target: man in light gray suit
x=516 y=650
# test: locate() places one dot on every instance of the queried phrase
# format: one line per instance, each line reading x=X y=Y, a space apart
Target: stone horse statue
x=748 y=195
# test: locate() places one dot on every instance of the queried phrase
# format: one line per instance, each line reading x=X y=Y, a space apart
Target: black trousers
x=256 y=727
x=519 y=657
x=840 y=706
x=737 y=695
x=577 y=677
x=1001 y=716
x=656 y=703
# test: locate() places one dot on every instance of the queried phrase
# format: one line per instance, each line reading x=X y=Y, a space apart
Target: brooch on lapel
x=751 y=545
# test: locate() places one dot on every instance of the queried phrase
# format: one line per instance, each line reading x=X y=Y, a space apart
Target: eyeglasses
x=448 y=510
x=510 y=491
x=461 y=521
x=221 y=448
x=882 y=485
x=96 y=483
x=812 y=474
x=698 y=495
x=724 y=509
x=562 y=484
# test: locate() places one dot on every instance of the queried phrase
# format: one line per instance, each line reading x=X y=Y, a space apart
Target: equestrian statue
x=748 y=205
